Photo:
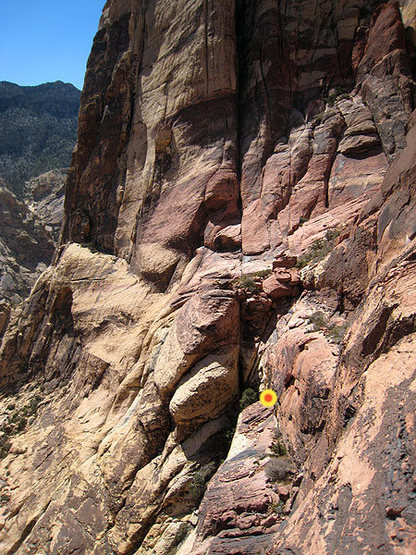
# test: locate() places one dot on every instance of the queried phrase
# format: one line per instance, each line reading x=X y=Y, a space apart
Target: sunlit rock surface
x=239 y=214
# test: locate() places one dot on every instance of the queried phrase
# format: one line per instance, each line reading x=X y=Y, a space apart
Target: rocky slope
x=26 y=248
x=37 y=133
x=239 y=212
x=44 y=196
x=37 y=130
x=29 y=232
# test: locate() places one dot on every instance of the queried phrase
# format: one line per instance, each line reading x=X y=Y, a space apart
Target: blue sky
x=46 y=40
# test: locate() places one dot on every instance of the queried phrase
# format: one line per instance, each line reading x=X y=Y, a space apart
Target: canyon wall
x=239 y=213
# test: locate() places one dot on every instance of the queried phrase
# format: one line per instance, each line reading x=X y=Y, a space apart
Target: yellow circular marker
x=268 y=398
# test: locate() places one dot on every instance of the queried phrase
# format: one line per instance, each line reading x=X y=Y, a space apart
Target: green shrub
x=279 y=469
x=33 y=405
x=15 y=417
x=318 y=320
x=337 y=93
x=21 y=423
x=250 y=282
x=197 y=487
x=278 y=448
x=316 y=252
x=4 y=449
x=332 y=234
x=276 y=508
x=4 y=498
x=200 y=479
x=319 y=249
x=248 y=397
x=262 y=273
x=336 y=333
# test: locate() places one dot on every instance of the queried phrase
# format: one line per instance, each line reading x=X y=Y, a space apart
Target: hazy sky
x=46 y=40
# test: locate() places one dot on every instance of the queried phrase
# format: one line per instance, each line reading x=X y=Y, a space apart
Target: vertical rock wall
x=220 y=144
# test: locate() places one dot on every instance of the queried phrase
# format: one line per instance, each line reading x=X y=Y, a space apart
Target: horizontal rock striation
x=239 y=214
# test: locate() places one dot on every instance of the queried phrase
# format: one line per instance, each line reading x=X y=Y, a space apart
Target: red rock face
x=239 y=214
x=234 y=513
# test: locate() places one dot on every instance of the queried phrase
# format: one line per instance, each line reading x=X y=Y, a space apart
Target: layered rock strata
x=239 y=212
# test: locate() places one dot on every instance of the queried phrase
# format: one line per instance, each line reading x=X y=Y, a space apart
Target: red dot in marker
x=268 y=398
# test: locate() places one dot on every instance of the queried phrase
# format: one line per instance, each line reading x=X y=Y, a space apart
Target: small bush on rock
x=318 y=320
x=337 y=93
x=336 y=333
x=280 y=469
x=276 y=508
x=251 y=282
x=200 y=479
x=332 y=234
x=4 y=446
x=278 y=448
x=248 y=397
x=4 y=498
x=198 y=485
x=319 y=249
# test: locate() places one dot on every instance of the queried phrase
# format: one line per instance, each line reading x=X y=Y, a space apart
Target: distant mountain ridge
x=37 y=135
x=37 y=129
x=58 y=98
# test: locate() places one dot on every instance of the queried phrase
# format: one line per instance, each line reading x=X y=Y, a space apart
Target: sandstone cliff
x=239 y=213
